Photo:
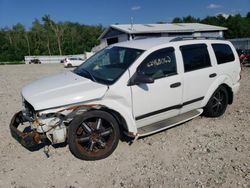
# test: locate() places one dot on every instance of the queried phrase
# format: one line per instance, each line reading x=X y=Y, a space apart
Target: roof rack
x=194 y=38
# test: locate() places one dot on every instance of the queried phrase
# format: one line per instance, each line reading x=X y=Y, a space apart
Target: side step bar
x=168 y=123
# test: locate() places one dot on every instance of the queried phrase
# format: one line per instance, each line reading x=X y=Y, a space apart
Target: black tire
x=69 y=65
x=217 y=104
x=88 y=141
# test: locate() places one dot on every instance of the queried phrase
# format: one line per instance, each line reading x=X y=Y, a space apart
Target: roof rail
x=194 y=38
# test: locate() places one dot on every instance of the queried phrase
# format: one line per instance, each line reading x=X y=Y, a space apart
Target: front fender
x=124 y=111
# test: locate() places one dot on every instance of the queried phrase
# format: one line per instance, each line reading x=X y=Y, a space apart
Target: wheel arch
x=120 y=119
x=122 y=114
x=230 y=93
x=220 y=81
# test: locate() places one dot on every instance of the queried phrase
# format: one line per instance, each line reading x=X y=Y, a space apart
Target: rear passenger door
x=198 y=75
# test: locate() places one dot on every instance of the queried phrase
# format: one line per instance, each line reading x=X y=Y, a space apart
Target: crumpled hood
x=62 y=89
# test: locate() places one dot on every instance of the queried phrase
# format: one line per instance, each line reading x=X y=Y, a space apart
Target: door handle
x=212 y=75
x=177 y=84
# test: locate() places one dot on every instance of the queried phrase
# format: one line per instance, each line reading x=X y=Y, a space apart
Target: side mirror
x=138 y=78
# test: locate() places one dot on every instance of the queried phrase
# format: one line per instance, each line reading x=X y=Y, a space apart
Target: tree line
x=47 y=37
x=238 y=26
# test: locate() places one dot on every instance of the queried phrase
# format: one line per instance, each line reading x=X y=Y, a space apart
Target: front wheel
x=69 y=65
x=93 y=135
x=217 y=104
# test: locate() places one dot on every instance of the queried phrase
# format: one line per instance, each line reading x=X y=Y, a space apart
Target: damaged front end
x=32 y=128
x=29 y=139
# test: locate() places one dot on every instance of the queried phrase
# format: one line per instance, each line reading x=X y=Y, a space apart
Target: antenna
x=132 y=23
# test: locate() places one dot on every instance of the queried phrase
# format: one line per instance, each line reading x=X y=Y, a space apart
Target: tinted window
x=223 y=53
x=159 y=64
x=195 y=57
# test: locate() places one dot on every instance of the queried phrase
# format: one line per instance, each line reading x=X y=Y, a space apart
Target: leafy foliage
x=47 y=37
x=238 y=26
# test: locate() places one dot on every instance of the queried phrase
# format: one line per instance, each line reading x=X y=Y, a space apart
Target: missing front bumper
x=29 y=139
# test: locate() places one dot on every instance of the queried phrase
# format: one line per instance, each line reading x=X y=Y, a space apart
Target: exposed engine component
x=53 y=126
x=57 y=135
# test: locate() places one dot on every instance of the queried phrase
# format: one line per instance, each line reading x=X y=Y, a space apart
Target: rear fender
x=219 y=81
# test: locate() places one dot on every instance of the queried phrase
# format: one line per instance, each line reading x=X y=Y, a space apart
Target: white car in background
x=73 y=62
x=138 y=87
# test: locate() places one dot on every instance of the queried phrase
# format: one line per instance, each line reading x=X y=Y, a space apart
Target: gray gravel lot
x=203 y=152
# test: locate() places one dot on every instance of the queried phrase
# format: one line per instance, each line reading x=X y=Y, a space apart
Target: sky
x=106 y=12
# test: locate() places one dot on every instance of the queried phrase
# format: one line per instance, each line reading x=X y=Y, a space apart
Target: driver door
x=162 y=99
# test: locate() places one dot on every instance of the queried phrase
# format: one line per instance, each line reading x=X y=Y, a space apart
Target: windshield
x=108 y=65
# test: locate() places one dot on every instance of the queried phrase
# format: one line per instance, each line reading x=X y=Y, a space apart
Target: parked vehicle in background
x=73 y=62
x=62 y=61
x=239 y=52
x=135 y=88
x=245 y=57
x=35 y=61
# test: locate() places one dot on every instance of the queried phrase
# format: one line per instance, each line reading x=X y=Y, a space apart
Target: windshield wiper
x=91 y=76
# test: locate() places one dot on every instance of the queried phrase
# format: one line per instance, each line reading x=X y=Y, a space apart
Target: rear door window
x=195 y=57
x=223 y=53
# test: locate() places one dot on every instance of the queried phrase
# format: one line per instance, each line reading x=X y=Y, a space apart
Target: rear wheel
x=93 y=135
x=217 y=104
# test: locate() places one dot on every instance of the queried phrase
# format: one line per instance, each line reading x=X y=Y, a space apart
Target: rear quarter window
x=223 y=53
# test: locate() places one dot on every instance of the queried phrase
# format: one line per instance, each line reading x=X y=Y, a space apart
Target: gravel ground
x=203 y=152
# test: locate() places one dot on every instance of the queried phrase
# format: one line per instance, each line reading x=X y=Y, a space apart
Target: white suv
x=73 y=62
x=137 y=87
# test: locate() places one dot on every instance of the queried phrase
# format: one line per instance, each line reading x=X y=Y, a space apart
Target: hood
x=61 y=90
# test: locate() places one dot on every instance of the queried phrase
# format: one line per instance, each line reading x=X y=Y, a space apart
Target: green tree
x=48 y=37
x=177 y=20
x=190 y=19
x=57 y=28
